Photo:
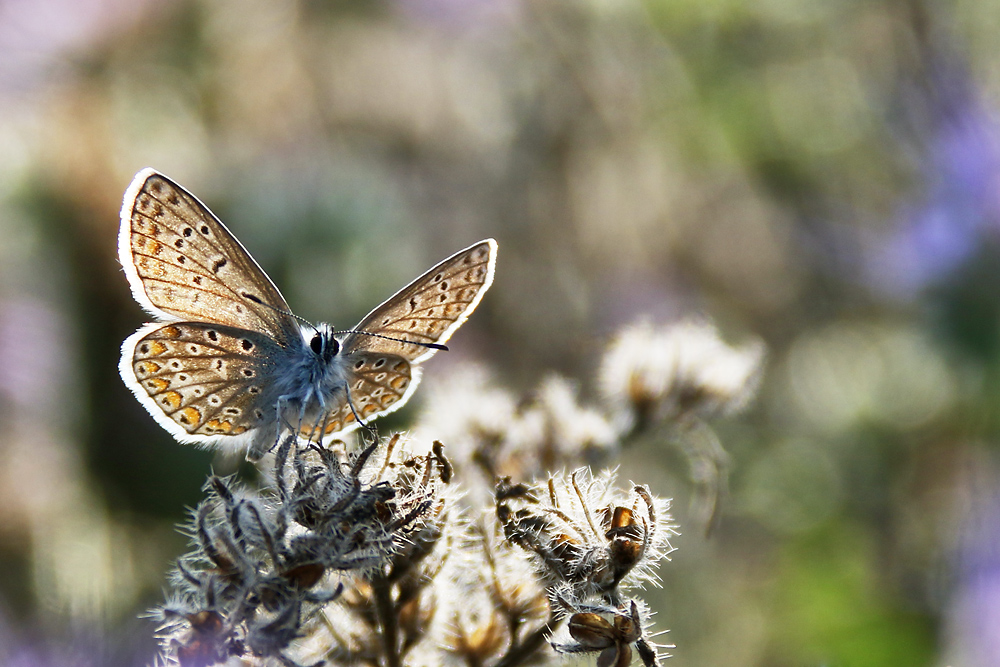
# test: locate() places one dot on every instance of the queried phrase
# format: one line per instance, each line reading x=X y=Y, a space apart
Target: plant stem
x=387 y=619
x=521 y=653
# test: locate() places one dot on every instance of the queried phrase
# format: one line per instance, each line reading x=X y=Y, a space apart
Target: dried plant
x=392 y=553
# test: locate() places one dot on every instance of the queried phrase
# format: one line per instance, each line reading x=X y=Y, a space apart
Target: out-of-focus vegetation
x=822 y=176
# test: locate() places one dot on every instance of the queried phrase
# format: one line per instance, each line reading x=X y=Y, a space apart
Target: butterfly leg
x=369 y=429
x=262 y=443
x=318 y=427
x=314 y=434
x=322 y=424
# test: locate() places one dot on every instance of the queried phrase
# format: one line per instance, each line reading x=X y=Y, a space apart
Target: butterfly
x=227 y=364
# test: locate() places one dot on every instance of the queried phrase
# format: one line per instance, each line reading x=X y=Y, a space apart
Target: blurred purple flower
x=34 y=348
x=37 y=36
x=33 y=649
x=958 y=202
x=460 y=13
x=974 y=619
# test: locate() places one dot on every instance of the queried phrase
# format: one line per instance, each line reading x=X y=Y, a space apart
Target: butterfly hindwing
x=429 y=309
x=182 y=262
x=201 y=381
x=377 y=383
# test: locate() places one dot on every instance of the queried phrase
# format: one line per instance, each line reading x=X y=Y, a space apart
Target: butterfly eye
x=323 y=344
x=332 y=348
x=316 y=344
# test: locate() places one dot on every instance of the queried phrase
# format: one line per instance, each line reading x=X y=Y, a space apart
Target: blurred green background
x=821 y=175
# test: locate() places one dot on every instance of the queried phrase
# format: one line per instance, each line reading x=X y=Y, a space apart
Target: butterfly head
x=323 y=343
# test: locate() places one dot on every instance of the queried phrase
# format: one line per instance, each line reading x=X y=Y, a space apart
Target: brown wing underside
x=203 y=377
x=192 y=267
x=429 y=309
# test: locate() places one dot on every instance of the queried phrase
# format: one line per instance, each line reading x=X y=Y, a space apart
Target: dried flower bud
x=477 y=640
x=492 y=599
x=203 y=639
x=587 y=534
x=608 y=631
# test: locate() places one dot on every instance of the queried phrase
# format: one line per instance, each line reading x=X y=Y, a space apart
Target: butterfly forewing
x=429 y=309
x=207 y=380
x=182 y=262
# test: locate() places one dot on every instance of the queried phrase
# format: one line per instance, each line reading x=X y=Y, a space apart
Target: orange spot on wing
x=397 y=382
x=217 y=426
x=172 y=399
x=159 y=384
x=191 y=415
x=171 y=332
x=156 y=348
x=368 y=409
x=333 y=427
x=147 y=367
x=389 y=399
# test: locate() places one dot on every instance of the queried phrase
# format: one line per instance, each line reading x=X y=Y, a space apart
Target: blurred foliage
x=822 y=175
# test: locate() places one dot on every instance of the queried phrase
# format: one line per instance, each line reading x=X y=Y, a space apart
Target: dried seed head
x=263 y=563
x=610 y=631
x=651 y=374
x=585 y=533
x=498 y=436
x=477 y=641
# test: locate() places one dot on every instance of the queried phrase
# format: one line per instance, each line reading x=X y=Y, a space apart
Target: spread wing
x=202 y=382
x=183 y=264
x=429 y=309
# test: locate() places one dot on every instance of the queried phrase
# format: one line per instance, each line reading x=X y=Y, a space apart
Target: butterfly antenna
x=256 y=299
x=433 y=346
